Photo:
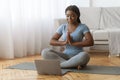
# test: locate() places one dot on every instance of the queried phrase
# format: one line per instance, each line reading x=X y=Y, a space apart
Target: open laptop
x=49 y=67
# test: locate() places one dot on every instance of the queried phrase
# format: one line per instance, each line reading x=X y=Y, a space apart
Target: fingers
x=68 y=38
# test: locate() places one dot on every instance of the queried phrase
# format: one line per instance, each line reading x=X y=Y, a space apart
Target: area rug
x=92 y=69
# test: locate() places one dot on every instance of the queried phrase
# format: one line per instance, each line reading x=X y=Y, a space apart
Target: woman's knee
x=85 y=57
x=45 y=52
x=49 y=54
x=82 y=58
x=84 y=54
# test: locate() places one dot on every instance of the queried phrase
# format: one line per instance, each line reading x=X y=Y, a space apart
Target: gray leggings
x=81 y=58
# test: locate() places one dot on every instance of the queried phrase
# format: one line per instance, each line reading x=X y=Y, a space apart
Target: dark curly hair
x=75 y=9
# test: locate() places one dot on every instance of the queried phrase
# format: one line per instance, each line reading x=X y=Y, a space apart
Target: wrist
x=63 y=43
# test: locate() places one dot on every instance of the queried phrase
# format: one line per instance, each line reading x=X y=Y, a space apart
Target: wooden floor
x=96 y=59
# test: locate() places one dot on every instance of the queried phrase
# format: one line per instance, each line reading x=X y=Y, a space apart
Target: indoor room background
x=26 y=26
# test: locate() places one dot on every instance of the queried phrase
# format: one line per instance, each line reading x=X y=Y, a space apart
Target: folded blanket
x=114 y=42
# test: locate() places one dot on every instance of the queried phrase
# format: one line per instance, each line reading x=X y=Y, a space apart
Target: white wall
x=81 y=3
x=105 y=3
x=94 y=3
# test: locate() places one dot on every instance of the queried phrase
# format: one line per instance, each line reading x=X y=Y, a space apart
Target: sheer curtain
x=26 y=26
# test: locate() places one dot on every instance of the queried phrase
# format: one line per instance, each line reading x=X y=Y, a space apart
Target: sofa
x=100 y=21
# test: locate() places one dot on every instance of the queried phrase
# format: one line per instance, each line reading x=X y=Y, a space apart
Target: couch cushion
x=110 y=17
x=100 y=35
x=58 y=22
x=90 y=16
x=101 y=42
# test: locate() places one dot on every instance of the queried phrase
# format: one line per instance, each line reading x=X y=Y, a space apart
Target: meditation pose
x=75 y=36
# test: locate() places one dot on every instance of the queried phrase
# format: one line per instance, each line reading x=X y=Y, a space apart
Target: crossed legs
x=81 y=58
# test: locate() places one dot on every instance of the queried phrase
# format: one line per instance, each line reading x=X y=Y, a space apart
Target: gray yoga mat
x=92 y=69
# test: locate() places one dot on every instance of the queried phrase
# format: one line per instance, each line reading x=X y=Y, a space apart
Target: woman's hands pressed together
x=68 y=39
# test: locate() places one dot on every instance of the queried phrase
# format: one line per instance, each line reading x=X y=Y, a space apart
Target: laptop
x=49 y=67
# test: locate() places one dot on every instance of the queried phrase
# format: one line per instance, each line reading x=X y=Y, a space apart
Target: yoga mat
x=92 y=69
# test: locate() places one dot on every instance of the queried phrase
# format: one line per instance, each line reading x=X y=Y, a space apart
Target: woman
x=72 y=33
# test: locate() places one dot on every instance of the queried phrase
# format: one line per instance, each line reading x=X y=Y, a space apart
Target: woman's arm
x=88 y=41
x=55 y=40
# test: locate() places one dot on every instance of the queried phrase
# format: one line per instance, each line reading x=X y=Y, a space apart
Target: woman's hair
x=75 y=9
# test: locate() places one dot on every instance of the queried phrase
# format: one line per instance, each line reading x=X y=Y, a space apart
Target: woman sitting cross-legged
x=72 y=34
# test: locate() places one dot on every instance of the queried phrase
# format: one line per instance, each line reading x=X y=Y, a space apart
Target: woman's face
x=71 y=17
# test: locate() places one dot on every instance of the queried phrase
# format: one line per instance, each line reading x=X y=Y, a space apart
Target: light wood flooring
x=96 y=59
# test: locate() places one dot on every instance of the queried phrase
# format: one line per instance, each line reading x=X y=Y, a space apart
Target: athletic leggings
x=81 y=58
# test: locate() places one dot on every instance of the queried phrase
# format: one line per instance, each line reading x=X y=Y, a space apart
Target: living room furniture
x=101 y=22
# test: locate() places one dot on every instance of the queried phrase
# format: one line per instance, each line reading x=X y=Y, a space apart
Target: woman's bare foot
x=80 y=67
